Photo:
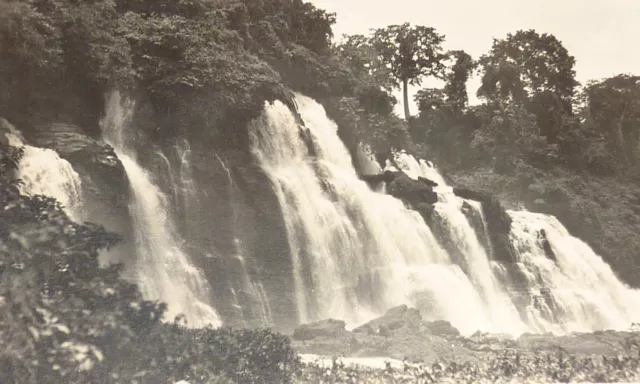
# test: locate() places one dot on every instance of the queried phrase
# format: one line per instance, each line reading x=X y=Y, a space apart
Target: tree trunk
x=620 y=138
x=621 y=144
x=405 y=94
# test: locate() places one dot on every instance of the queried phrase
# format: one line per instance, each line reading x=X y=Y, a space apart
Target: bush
x=507 y=367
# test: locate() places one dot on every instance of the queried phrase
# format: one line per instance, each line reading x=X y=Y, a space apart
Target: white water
x=582 y=286
x=356 y=253
x=162 y=269
x=497 y=305
x=585 y=295
x=43 y=172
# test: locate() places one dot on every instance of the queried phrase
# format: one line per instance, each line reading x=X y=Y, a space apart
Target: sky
x=603 y=35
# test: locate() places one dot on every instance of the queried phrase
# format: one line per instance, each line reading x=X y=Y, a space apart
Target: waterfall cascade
x=43 y=172
x=567 y=287
x=163 y=269
x=356 y=253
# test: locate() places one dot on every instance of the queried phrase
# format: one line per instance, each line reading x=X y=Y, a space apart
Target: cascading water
x=163 y=269
x=355 y=253
x=577 y=291
x=568 y=287
x=475 y=261
x=43 y=172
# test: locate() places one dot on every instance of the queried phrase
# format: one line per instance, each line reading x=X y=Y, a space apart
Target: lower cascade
x=163 y=270
x=356 y=252
x=565 y=285
x=43 y=172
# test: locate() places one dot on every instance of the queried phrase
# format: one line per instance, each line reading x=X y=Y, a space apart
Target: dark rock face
x=542 y=236
x=411 y=191
x=329 y=328
x=498 y=223
x=95 y=161
x=428 y=182
x=442 y=328
x=104 y=181
x=394 y=319
x=229 y=216
x=375 y=180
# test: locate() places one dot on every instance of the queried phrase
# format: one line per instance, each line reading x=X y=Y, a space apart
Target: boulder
x=395 y=319
x=386 y=177
x=411 y=191
x=328 y=328
x=441 y=328
x=428 y=182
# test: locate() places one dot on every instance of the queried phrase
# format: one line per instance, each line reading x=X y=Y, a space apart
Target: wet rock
x=329 y=328
x=411 y=191
x=102 y=173
x=498 y=222
x=395 y=319
x=544 y=242
x=441 y=328
x=375 y=180
x=105 y=185
x=428 y=182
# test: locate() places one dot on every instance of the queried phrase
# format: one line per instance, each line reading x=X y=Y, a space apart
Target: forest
x=205 y=69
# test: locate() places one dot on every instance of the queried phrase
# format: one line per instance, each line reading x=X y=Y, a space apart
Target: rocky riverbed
x=402 y=335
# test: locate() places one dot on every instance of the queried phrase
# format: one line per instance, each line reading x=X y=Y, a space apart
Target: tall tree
x=410 y=54
x=456 y=79
x=360 y=56
x=613 y=106
x=535 y=71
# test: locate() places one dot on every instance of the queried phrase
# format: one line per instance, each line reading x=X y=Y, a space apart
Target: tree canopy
x=410 y=54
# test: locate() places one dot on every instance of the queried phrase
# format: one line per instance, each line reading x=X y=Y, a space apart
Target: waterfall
x=569 y=288
x=475 y=260
x=355 y=252
x=163 y=269
x=43 y=172
x=576 y=292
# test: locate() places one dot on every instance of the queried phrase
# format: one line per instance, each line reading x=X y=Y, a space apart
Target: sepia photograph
x=319 y=191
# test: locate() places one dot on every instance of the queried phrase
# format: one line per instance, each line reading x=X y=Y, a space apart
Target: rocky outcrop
x=105 y=185
x=325 y=328
x=395 y=318
x=498 y=223
x=407 y=337
x=442 y=328
x=412 y=191
x=102 y=173
x=375 y=180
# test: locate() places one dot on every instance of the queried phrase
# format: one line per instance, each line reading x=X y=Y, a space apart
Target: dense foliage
x=508 y=367
x=203 y=65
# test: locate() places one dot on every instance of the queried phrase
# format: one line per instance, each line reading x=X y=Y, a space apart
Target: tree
x=410 y=54
x=534 y=71
x=613 y=106
x=456 y=79
x=358 y=54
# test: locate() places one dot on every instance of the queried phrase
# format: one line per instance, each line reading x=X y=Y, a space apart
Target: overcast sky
x=603 y=35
